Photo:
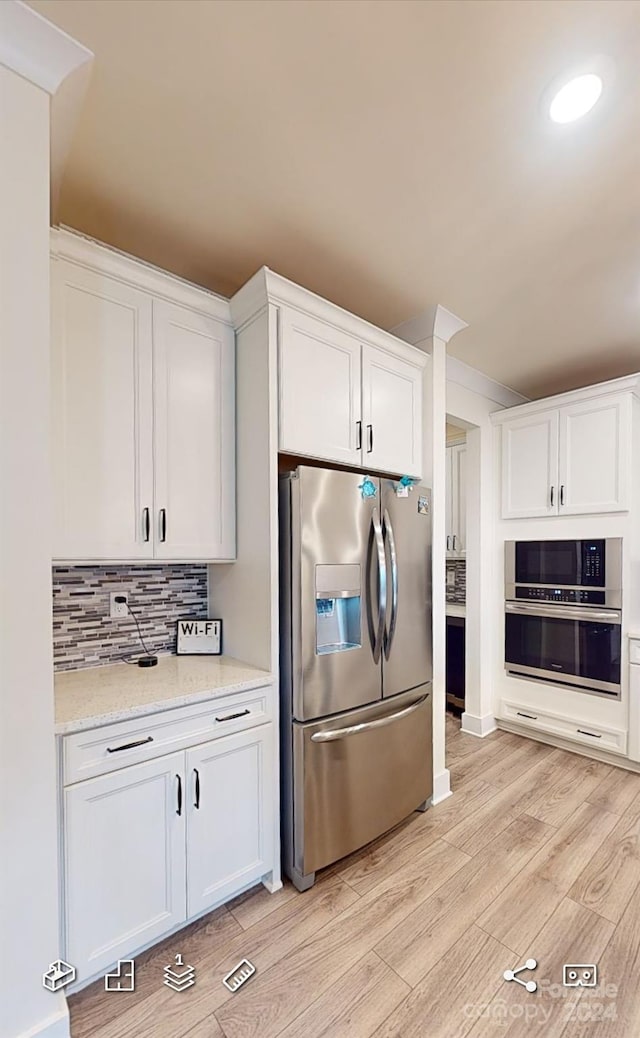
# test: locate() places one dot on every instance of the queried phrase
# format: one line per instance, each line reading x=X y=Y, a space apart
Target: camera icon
x=579 y=975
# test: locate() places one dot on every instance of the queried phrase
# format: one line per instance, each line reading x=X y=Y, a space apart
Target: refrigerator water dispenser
x=338 y=610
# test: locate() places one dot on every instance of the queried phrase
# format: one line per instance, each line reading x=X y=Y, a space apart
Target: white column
x=29 y=910
x=431 y=332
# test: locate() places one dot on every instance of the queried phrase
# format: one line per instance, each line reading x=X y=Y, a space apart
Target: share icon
x=530 y=985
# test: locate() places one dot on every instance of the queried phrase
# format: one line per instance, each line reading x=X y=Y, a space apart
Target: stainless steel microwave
x=577 y=572
x=563 y=616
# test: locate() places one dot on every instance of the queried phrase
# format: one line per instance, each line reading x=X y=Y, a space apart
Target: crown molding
x=104 y=259
x=471 y=378
x=267 y=286
x=36 y=49
x=436 y=322
x=625 y=384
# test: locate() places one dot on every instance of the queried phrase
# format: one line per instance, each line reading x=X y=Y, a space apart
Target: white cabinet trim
x=267 y=285
x=103 y=259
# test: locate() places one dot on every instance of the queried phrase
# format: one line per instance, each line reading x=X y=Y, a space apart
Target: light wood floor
x=536 y=854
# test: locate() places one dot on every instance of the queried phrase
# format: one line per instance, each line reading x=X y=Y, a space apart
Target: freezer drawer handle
x=382 y=583
x=129 y=745
x=593 y=735
x=355 y=729
x=388 y=530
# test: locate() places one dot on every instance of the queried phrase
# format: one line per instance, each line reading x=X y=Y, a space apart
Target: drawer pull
x=179 y=811
x=197 y=803
x=593 y=735
x=129 y=745
x=232 y=717
x=532 y=717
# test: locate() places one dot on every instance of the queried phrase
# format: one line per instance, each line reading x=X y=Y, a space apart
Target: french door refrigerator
x=355 y=660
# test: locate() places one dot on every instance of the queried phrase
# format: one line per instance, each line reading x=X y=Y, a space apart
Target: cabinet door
x=229 y=820
x=194 y=408
x=530 y=466
x=595 y=441
x=391 y=413
x=124 y=862
x=102 y=417
x=449 y=499
x=459 y=498
x=319 y=395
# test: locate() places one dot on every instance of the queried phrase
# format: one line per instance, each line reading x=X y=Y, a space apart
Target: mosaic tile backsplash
x=458 y=592
x=85 y=636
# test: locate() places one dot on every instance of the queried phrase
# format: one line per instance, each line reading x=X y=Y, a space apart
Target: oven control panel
x=580 y=596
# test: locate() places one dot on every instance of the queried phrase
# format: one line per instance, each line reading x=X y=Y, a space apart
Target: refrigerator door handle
x=388 y=530
x=355 y=729
x=382 y=583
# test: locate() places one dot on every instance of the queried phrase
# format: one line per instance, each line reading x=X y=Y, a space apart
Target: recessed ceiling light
x=576 y=98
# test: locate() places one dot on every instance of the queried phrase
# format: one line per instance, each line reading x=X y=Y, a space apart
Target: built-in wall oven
x=563 y=602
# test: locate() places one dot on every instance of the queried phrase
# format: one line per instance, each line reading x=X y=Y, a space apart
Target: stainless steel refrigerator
x=356 y=664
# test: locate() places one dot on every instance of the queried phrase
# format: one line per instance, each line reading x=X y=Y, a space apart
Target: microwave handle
x=562 y=612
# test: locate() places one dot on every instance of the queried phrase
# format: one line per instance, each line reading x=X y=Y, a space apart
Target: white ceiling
x=386 y=154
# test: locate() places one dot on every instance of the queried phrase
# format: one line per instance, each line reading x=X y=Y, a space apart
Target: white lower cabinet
x=596 y=736
x=228 y=842
x=125 y=862
x=150 y=846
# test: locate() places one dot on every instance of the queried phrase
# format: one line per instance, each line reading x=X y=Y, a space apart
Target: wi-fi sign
x=579 y=975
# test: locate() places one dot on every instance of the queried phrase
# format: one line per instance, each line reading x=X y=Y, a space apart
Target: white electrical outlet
x=118 y=609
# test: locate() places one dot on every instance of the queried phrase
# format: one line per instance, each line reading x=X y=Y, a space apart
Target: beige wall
x=29 y=854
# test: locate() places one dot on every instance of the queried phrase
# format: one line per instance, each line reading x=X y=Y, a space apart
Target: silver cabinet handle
x=355 y=729
x=197 y=800
x=130 y=745
x=551 y=501
x=593 y=735
x=358 y=436
x=146 y=521
x=387 y=529
x=382 y=579
x=455 y=537
x=562 y=493
x=531 y=717
x=370 y=439
x=163 y=524
x=448 y=542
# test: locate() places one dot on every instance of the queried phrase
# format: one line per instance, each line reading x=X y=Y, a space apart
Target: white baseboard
x=55 y=1026
x=272 y=884
x=478 y=726
x=441 y=787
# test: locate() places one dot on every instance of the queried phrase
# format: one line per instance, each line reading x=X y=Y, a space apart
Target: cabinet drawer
x=101 y=750
x=611 y=739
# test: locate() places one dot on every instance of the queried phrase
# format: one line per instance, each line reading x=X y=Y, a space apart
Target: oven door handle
x=569 y=612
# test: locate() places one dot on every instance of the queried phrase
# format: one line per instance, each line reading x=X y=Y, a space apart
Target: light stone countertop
x=102 y=695
x=456 y=609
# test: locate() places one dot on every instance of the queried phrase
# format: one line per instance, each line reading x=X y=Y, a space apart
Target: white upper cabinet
x=391 y=413
x=102 y=416
x=595 y=445
x=193 y=407
x=320 y=377
x=572 y=460
x=530 y=466
x=456 y=500
x=143 y=414
x=348 y=393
